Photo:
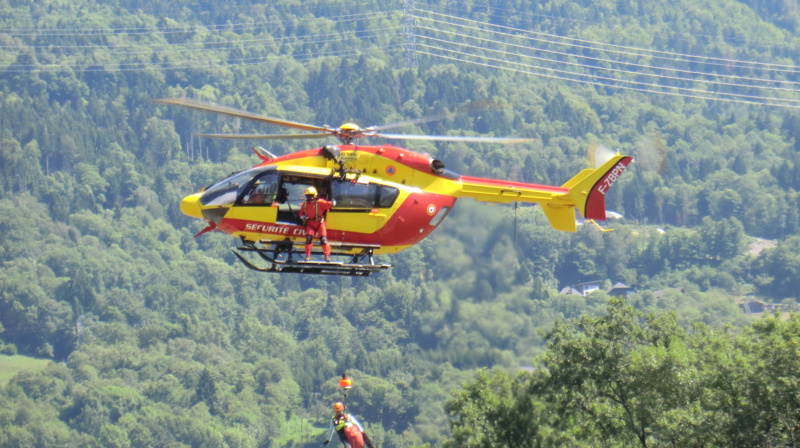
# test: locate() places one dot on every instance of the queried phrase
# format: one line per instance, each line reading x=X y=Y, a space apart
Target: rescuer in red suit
x=350 y=431
x=312 y=212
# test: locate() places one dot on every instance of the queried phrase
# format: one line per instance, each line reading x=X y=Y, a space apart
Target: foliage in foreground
x=634 y=379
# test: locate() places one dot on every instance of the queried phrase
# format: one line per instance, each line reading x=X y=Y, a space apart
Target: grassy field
x=304 y=431
x=11 y=365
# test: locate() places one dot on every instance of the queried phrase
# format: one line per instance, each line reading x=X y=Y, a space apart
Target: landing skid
x=281 y=257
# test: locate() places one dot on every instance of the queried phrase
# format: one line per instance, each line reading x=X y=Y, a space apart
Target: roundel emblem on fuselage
x=431 y=209
x=390 y=170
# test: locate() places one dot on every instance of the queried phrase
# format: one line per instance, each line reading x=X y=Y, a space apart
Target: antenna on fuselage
x=263 y=154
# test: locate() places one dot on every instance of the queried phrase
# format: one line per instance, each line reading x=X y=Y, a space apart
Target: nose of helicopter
x=190 y=206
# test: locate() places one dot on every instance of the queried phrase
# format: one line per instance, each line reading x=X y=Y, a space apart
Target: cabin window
x=349 y=195
x=387 y=195
x=291 y=194
x=354 y=195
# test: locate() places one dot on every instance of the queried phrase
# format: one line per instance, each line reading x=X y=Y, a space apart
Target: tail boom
x=506 y=192
x=585 y=192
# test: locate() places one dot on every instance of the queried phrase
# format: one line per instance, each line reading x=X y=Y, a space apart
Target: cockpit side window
x=225 y=192
x=263 y=190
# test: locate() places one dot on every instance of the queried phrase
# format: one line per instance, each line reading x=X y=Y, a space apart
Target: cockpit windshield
x=225 y=192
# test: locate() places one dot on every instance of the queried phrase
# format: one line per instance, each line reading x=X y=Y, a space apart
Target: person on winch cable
x=349 y=429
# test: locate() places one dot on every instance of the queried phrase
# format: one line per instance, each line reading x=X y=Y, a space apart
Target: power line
x=623 y=49
x=595 y=67
x=598 y=59
x=446 y=36
x=600 y=84
x=167 y=29
x=521 y=13
x=207 y=42
x=125 y=57
x=496 y=52
x=232 y=45
x=409 y=25
x=212 y=62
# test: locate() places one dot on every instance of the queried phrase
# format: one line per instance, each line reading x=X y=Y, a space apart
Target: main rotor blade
x=192 y=104
x=414 y=121
x=263 y=136
x=455 y=138
x=471 y=108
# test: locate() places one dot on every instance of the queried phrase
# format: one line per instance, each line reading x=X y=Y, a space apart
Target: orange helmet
x=338 y=406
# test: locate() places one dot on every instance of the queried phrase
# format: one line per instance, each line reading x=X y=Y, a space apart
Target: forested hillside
x=158 y=338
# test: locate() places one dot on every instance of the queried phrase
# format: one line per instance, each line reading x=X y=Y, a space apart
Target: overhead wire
x=598 y=68
x=157 y=31
x=598 y=59
x=606 y=85
x=209 y=51
x=496 y=57
x=750 y=40
x=442 y=36
x=628 y=50
x=198 y=43
x=237 y=45
x=167 y=29
x=220 y=62
x=602 y=84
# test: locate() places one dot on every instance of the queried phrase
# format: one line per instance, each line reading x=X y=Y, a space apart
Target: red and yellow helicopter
x=386 y=198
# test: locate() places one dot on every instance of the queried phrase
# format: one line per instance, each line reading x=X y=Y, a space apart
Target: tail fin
x=560 y=217
x=588 y=189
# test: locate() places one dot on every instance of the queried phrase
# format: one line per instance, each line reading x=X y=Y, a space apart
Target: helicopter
x=385 y=198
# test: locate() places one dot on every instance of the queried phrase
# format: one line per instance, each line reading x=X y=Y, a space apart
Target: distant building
x=582 y=289
x=752 y=307
x=620 y=290
x=569 y=290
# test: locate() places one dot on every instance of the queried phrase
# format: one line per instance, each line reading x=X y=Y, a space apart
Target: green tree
x=493 y=410
x=778 y=269
x=618 y=373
